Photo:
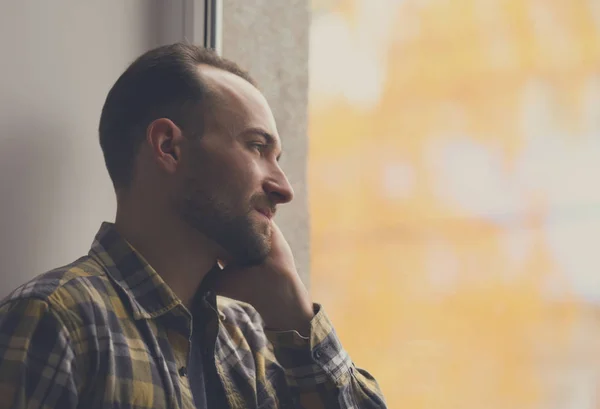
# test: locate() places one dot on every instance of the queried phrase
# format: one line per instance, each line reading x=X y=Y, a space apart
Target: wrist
x=292 y=317
x=302 y=327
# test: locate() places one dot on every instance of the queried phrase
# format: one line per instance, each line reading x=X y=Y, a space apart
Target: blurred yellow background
x=455 y=208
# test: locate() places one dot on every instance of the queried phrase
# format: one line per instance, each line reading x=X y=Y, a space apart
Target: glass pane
x=454 y=157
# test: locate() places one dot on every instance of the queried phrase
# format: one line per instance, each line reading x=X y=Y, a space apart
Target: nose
x=278 y=187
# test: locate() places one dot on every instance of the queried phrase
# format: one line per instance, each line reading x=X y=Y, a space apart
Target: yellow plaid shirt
x=107 y=332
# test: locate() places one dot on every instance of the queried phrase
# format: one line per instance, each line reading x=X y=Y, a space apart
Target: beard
x=246 y=241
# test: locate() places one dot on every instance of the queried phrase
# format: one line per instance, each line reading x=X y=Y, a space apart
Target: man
x=192 y=149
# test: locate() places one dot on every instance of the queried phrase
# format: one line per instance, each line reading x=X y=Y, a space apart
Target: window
x=455 y=212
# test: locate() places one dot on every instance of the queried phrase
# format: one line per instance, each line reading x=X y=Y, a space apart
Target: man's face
x=231 y=179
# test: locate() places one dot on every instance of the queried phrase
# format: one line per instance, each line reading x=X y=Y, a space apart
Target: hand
x=273 y=288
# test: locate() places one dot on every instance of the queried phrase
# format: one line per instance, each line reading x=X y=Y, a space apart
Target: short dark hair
x=162 y=83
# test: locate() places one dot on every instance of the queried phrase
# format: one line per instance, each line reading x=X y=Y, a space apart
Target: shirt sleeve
x=37 y=363
x=319 y=372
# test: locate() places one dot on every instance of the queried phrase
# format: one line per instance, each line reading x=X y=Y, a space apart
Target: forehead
x=239 y=105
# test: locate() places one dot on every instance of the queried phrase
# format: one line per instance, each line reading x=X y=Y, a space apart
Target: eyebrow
x=270 y=139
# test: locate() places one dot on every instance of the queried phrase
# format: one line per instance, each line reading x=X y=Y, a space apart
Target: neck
x=180 y=255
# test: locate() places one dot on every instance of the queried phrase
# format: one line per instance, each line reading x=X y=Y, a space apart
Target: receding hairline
x=223 y=88
x=210 y=75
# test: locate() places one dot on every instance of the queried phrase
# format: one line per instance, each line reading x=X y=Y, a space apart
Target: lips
x=268 y=213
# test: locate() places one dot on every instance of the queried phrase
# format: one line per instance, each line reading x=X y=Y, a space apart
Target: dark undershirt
x=195 y=370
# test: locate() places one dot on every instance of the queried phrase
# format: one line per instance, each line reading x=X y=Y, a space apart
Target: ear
x=164 y=138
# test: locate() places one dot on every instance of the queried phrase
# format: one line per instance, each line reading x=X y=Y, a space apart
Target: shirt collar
x=149 y=295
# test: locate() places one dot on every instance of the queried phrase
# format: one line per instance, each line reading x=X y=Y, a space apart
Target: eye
x=257 y=146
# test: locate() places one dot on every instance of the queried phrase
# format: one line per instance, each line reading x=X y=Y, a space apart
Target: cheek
x=229 y=190
x=230 y=175
x=241 y=175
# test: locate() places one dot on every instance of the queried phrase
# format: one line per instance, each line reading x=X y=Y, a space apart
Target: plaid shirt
x=107 y=332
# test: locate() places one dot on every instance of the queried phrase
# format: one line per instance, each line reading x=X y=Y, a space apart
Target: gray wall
x=59 y=59
x=270 y=39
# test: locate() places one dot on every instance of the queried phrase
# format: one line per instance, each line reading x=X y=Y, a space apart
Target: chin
x=248 y=242
x=261 y=229
x=255 y=251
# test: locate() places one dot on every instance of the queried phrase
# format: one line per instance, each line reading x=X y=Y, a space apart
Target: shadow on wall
x=31 y=156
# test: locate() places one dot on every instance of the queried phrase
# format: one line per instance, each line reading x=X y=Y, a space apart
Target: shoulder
x=63 y=290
